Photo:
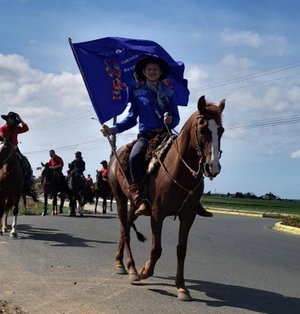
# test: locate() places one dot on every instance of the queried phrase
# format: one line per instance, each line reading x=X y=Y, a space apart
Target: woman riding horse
x=155 y=105
x=179 y=180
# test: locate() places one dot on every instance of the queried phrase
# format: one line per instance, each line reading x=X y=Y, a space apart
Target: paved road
x=66 y=265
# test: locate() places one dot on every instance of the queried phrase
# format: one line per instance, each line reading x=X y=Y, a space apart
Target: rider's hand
x=167 y=119
x=106 y=130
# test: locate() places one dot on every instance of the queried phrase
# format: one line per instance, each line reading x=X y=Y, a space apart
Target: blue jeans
x=137 y=163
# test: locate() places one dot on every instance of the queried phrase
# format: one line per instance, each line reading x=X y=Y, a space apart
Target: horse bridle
x=198 y=130
x=195 y=174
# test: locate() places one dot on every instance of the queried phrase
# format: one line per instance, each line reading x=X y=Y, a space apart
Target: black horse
x=54 y=187
x=102 y=189
x=77 y=191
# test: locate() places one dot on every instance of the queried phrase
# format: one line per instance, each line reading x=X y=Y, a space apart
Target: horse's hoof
x=134 y=277
x=14 y=235
x=44 y=214
x=4 y=229
x=184 y=295
x=120 y=270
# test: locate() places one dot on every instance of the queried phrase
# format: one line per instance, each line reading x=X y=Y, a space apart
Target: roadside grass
x=284 y=207
x=35 y=209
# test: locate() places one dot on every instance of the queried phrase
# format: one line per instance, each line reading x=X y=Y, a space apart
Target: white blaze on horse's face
x=213 y=163
x=1 y=146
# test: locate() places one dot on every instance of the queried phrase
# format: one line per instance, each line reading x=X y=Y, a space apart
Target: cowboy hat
x=103 y=162
x=140 y=66
x=10 y=115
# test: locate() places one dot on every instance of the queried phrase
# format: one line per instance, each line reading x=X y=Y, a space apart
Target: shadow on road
x=56 y=238
x=251 y=299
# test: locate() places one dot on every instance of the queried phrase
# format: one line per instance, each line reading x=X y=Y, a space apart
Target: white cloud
x=239 y=63
x=196 y=76
x=295 y=154
x=37 y=94
x=242 y=38
x=275 y=44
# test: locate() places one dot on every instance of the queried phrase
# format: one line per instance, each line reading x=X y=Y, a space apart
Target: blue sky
x=245 y=51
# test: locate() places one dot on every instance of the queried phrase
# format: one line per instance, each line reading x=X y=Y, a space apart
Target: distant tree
x=239 y=195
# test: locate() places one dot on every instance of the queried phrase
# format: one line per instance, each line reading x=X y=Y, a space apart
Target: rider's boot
x=136 y=196
x=201 y=211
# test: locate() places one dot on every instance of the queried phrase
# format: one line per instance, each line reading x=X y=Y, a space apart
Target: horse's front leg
x=96 y=203
x=148 y=268
x=2 y=205
x=5 y=217
x=104 y=205
x=45 y=203
x=62 y=201
x=186 y=221
x=54 y=204
x=13 y=232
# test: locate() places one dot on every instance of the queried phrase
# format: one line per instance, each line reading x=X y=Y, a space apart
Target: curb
x=228 y=212
x=282 y=228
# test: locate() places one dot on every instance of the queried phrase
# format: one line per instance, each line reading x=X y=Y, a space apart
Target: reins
x=193 y=172
x=2 y=163
x=8 y=157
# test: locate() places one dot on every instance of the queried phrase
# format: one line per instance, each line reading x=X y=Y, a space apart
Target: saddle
x=157 y=150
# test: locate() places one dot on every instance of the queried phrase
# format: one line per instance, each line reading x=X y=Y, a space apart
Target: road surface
x=234 y=264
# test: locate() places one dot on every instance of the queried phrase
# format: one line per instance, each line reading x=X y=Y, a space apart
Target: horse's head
x=75 y=181
x=47 y=174
x=209 y=131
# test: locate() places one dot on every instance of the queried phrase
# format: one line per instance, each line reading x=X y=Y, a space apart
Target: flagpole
x=113 y=149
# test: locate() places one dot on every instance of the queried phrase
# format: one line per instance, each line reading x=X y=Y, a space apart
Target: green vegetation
x=291 y=221
x=35 y=208
x=275 y=206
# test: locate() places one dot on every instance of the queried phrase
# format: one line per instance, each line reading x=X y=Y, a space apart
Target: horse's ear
x=202 y=104
x=43 y=165
x=97 y=171
x=222 y=105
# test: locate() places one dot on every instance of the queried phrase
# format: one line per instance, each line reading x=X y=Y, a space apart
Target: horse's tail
x=139 y=235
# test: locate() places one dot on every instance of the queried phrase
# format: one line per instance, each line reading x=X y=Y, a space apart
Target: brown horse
x=11 y=184
x=179 y=180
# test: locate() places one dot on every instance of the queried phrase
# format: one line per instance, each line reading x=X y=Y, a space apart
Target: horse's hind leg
x=148 y=268
x=124 y=243
x=184 y=229
x=15 y=211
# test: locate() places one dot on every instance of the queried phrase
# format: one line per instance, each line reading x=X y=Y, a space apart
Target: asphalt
x=277 y=227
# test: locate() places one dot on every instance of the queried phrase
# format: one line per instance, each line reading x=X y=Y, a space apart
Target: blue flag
x=107 y=67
